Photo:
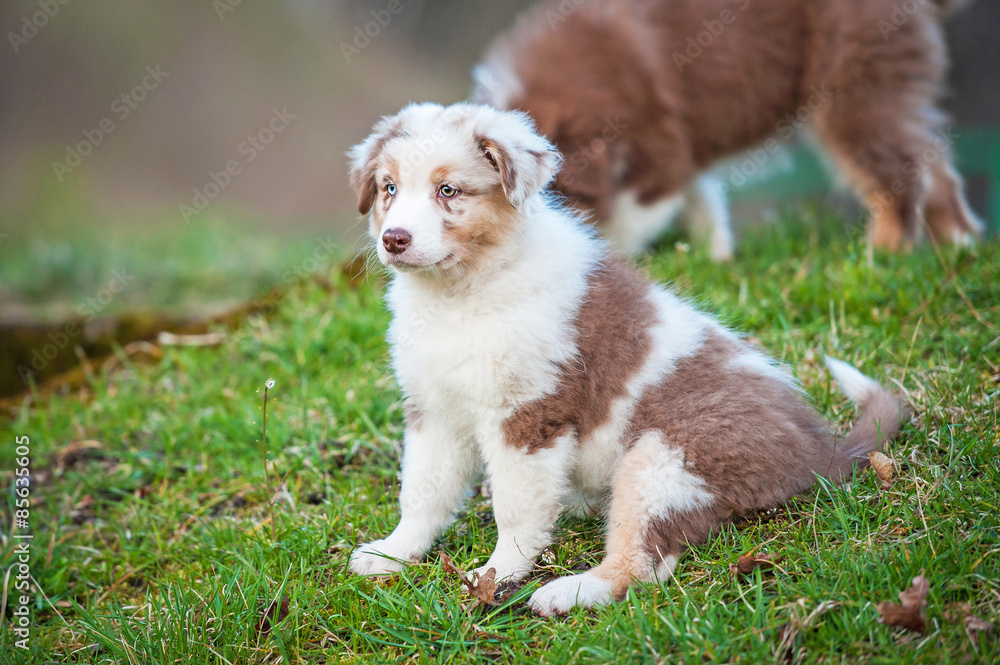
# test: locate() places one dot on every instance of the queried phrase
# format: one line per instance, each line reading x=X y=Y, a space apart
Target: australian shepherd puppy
x=642 y=96
x=522 y=345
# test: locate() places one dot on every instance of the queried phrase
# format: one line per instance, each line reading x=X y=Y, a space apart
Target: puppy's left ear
x=364 y=158
x=525 y=160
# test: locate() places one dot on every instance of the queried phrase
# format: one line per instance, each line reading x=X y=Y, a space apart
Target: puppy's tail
x=879 y=416
x=949 y=7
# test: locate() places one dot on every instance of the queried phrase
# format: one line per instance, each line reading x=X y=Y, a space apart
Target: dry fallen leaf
x=83 y=510
x=275 y=613
x=909 y=612
x=974 y=625
x=956 y=612
x=747 y=563
x=882 y=466
x=77 y=451
x=448 y=566
x=482 y=588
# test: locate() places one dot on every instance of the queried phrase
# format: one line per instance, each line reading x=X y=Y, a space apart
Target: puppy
x=643 y=96
x=521 y=344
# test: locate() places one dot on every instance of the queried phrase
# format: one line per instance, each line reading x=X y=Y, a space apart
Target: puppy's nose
x=396 y=240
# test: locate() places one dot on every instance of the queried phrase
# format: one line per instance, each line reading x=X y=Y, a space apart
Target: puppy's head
x=445 y=185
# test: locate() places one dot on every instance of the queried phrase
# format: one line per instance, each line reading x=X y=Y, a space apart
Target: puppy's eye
x=447 y=191
x=390 y=189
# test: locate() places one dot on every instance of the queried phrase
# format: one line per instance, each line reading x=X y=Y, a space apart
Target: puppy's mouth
x=399 y=262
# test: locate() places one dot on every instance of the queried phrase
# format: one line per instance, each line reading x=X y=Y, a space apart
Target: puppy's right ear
x=364 y=158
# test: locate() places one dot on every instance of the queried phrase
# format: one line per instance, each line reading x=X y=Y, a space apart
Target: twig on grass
x=267 y=478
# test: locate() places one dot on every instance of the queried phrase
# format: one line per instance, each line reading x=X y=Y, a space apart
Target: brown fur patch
x=674 y=109
x=612 y=342
x=479 y=222
x=363 y=178
x=500 y=161
x=441 y=175
x=753 y=440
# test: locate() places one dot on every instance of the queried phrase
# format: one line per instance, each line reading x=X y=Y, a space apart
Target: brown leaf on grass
x=909 y=612
x=485 y=588
x=448 y=566
x=83 y=511
x=956 y=612
x=974 y=625
x=882 y=466
x=747 y=563
x=78 y=451
x=482 y=588
x=275 y=613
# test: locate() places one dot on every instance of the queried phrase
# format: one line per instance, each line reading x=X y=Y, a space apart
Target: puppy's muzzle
x=396 y=240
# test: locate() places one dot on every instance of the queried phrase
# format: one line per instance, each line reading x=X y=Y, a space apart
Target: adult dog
x=642 y=96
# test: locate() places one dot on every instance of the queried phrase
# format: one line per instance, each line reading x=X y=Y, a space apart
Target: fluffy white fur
x=633 y=226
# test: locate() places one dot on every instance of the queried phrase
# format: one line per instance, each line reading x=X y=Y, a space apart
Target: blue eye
x=391 y=189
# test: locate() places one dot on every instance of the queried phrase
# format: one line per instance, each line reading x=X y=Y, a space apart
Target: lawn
x=154 y=540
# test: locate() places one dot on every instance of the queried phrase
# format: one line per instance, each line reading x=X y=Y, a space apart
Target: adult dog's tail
x=879 y=416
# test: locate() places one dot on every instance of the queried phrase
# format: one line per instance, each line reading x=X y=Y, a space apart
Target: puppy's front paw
x=559 y=596
x=374 y=558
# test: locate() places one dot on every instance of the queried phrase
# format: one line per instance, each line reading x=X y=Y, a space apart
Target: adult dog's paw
x=374 y=558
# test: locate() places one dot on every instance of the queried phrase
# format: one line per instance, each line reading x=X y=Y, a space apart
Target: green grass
x=156 y=548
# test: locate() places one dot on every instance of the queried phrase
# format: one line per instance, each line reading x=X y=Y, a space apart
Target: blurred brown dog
x=642 y=96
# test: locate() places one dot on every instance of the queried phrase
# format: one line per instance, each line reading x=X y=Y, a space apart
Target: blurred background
x=163 y=162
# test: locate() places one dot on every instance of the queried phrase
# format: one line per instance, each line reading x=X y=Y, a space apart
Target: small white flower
x=269 y=384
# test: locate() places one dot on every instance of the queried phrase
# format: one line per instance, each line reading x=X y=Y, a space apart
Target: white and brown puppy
x=522 y=344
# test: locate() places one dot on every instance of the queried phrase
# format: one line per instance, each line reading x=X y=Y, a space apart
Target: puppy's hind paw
x=372 y=559
x=559 y=596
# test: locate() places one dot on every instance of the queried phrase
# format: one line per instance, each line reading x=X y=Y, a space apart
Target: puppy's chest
x=495 y=359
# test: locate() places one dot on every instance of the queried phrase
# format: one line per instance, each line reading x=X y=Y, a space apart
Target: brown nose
x=396 y=240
